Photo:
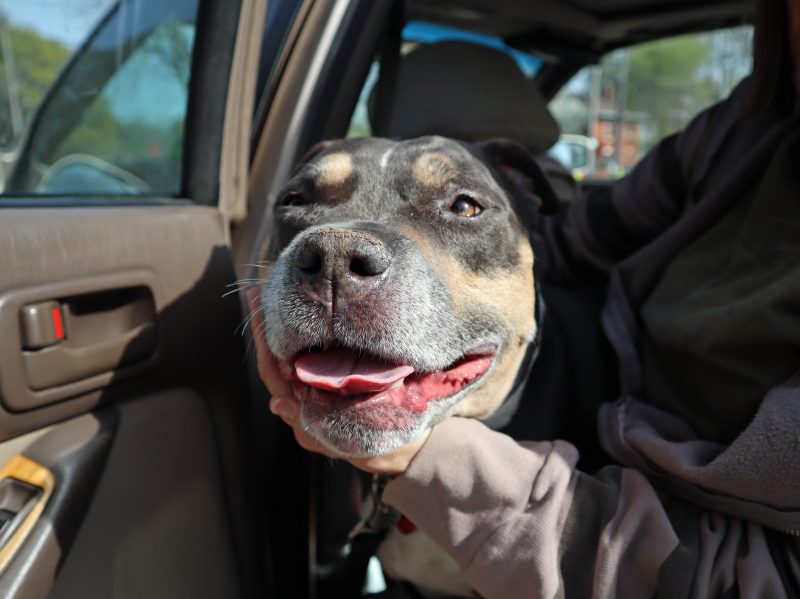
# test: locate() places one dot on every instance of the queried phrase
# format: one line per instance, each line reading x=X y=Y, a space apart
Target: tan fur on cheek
x=433 y=169
x=333 y=169
x=493 y=390
x=509 y=295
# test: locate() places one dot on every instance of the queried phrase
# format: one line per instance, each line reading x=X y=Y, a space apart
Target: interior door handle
x=61 y=364
x=102 y=331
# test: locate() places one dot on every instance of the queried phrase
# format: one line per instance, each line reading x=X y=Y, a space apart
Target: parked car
x=143 y=144
x=577 y=153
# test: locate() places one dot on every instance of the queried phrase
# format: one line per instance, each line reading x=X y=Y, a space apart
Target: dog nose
x=353 y=260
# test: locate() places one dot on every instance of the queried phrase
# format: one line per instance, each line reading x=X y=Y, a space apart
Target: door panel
x=74 y=453
x=150 y=456
x=123 y=402
x=135 y=514
x=157 y=524
x=62 y=252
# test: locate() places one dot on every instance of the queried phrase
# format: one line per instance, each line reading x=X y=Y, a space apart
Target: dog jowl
x=401 y=288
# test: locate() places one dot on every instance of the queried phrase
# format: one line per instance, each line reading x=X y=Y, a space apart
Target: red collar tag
x=405 y=526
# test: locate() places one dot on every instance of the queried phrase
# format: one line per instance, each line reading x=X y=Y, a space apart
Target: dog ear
x=522 y=174
x=312 y=152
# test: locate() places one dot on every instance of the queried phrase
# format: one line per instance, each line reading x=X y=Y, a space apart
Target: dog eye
x=465 y=206
x=292 y=198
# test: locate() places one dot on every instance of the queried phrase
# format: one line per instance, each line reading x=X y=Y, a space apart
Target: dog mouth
x=343 y=378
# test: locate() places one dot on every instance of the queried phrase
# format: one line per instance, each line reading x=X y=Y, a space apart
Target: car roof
x=588 y=27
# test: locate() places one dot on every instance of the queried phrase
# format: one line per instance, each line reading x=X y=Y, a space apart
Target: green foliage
x=571 y=113
x=36 y=62
x=151 y=152
x=671 y=81
x=105 y=121
x=98 y=133
x=660 y=85
x=112 y=129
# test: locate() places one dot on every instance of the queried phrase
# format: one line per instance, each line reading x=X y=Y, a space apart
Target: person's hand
x=285 y=405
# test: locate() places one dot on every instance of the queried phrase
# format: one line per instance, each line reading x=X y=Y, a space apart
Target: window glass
x=277 y=25
x=359 y=123
x=105 y=105
x=613 y=113
x=422 y=32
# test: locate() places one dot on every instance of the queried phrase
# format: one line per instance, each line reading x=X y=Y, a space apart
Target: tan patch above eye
x=333 y=169
x=433 y=169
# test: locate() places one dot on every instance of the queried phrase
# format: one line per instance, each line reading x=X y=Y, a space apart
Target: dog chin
x=367 y=431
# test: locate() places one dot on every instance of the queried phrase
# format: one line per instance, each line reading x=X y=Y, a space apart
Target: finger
x=285 y=407
x=254 y=304
x=393 y=463
x=256 y=324
x=283 y=403
x=306 y=441
x=267 y=365
x=288 y=409
x=310 y=443
x=253 y=299
x=271 y=375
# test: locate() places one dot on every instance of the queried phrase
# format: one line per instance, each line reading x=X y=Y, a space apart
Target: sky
x=67 y=22
x=143 y=90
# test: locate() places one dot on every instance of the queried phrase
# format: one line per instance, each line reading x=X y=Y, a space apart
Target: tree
x=669 y=80
x=25 y=75
x=674 y=79
x=660 y=84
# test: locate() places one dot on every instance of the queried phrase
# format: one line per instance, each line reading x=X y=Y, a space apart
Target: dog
x=401 y=292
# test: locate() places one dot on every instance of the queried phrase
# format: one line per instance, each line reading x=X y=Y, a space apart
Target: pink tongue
x=346 y=372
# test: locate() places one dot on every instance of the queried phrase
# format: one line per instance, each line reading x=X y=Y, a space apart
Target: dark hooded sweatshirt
x=700 y=248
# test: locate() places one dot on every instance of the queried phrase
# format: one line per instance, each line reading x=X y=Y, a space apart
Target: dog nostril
x=368 y=266
x=308 y=261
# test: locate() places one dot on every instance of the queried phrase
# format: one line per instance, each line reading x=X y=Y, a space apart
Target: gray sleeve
x=521 y=521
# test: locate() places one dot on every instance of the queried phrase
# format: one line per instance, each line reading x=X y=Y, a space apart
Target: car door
x=126 y=463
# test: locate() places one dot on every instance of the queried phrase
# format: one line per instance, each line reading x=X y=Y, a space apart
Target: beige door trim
x=26 y=470
x=235 y=157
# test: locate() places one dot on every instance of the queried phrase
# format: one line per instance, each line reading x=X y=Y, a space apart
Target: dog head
x=401 y=288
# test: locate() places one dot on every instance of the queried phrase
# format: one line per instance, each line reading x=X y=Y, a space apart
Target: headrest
x=466 y=91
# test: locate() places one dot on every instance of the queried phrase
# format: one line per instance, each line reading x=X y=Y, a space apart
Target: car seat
x=470 y=92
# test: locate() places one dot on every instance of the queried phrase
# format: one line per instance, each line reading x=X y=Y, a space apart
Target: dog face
x=401 y=288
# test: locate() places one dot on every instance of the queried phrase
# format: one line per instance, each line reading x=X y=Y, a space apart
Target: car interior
x=139 y=458
x=452 y=86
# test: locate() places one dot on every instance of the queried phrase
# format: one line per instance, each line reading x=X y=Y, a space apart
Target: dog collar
x=377 y=516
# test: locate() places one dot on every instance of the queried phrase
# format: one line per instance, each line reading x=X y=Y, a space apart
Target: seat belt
x=389 y=67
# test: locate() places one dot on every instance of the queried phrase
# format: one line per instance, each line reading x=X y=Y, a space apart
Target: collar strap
x=503 y=415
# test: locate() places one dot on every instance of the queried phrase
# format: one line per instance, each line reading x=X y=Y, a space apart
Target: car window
x=277 y=25
x=422 y=32
x=611 y=114
x=101 y=96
